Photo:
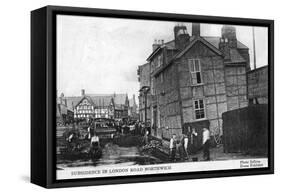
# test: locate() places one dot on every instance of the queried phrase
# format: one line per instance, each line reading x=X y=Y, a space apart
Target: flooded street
x=113 y=154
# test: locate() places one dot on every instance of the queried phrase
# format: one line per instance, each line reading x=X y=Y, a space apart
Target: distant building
x=257 y=82
x=64 y=113
x=194 y=79
x=86 y=106
x=133 y=108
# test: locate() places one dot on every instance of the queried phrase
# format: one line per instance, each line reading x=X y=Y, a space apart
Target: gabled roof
x=202 y=40
x=97 y=99
x=84 y=97
x=101 y=100
x=213 y=44
x=119 y=98
x=215 y=40
x=168 y=45
x=72 y=101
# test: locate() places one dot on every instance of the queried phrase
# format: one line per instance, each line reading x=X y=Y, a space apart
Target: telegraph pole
x=254 y=51
x=145 y=108
x=254 y=47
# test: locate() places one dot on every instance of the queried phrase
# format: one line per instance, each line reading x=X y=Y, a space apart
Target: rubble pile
x=153 y=144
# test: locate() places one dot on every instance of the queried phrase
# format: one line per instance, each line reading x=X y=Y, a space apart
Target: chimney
x=228 y=40
x=224 y=47
x=155 y=45
x=181 y=37
x=195 y=29
x=83 y=92
x=228 y=33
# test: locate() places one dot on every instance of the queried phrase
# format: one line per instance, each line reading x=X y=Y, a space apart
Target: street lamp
x=144 y=90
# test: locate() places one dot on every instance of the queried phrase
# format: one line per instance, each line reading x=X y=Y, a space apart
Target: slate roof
x=215 y=40
x=120 y=98
x=210 y=41
x=204 y=41
x=170 y=45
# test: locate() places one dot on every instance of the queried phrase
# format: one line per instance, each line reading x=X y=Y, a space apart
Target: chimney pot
x=83 y=92
x=195 y=29
x=228 y=33
x=155 y=45
x=181 y=37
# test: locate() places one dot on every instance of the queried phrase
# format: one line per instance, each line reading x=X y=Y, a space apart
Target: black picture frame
x=43 y=95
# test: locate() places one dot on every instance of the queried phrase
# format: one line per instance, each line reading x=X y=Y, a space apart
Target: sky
x=102 y=55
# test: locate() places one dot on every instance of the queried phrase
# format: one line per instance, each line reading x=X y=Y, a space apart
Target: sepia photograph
x=139 y=97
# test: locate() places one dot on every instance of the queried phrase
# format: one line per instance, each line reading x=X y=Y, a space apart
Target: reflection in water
x=112 y=154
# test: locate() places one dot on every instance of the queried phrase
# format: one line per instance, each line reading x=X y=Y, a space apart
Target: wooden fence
x=246 y=130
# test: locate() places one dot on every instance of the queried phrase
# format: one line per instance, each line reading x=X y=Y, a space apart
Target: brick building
x=133 y=108
x=257 y=80
x=194 y=79
x=64 y=112
x=144 y=77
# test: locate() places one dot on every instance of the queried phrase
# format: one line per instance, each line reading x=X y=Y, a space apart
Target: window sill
x=203 y=119
x=197 y=85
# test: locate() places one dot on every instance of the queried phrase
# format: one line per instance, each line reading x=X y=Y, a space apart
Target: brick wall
x=223 y=88
x=236 y=86
x=144 y=80
x=258 y=84
x=168 y=103
x=212 y=91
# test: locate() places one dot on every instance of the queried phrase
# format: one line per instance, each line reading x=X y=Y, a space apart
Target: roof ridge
x=169 y=41
x=193 y=42
x=242 y=44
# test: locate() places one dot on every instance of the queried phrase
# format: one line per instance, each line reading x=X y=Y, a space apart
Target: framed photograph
x=126 y=96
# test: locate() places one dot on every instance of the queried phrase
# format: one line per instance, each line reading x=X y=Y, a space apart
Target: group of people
x=186 y=142
x=181 y=146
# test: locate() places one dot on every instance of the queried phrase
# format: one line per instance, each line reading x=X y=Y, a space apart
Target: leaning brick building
x=194 y=79
x=144 y=81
